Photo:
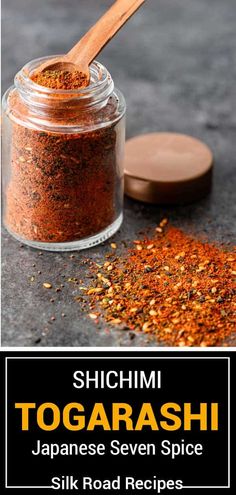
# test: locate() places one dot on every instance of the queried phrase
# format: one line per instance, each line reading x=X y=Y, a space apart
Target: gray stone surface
x=175 y=63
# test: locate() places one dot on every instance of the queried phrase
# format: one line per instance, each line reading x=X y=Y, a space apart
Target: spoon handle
x=85 y=51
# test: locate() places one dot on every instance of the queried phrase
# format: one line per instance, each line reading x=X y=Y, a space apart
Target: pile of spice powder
x=172 y=286
x=63 y=187
x=60 y=79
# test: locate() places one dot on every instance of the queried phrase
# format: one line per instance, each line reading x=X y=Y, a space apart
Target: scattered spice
x=60 y=79
x=173 y=300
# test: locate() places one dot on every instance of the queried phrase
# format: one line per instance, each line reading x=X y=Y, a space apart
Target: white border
x=114 y=357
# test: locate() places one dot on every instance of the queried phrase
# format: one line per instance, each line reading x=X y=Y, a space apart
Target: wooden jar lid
x=167 y=168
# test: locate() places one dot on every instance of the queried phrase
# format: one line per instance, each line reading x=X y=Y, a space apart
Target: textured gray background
x=175 y=63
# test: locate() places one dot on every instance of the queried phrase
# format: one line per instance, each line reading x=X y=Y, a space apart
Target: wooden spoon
x=84 y=52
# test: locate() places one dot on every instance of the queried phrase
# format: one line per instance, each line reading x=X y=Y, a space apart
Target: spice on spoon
x=175 y=287
x=60 y=79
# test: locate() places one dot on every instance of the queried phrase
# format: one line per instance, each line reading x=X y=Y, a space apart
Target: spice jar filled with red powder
x=63 y=161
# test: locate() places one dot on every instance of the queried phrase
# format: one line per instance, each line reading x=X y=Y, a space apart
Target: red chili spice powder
x=172 y=286
x=63 y=186
x=60 y=79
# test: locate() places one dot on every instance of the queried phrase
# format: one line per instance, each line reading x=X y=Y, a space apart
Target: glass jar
x=63 y=161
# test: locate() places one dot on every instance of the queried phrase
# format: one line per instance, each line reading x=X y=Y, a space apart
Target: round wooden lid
x=167 y=168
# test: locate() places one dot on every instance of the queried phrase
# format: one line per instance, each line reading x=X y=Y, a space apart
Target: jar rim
x=101 y=82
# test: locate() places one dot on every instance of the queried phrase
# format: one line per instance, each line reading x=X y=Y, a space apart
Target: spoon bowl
x=62 y=64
